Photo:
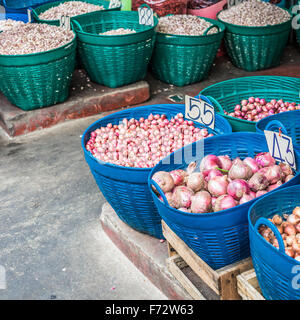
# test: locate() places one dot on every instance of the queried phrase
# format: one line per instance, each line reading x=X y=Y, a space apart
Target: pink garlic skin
x=274 y=174
x=218 y=186
x=178 y=176
x=182 y=197
x=265 y=159
x=195 y=181
x=210 y=162
x=201 y=202
x=258 y=182
x=239 y=170
x=252 y=164
x=224 y=202
x=237 y=188
x=164 y=180
x=226 y=163
x=245 y=198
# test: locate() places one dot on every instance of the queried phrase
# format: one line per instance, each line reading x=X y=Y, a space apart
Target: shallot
x=239 y=170
x=237 y=188
x=201 y=202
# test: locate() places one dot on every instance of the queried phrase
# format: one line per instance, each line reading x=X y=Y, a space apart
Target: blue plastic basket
x=23 y=4
x=276 y=272
x=289 y=122
x=126 y=189
x=219 y=238
x=17 y=16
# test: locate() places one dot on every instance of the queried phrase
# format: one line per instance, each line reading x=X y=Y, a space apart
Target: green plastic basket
x=181 y=60
x=40 y=9
x=256 y=48
x=227 y=94
x=119 y=60
x=38 y=80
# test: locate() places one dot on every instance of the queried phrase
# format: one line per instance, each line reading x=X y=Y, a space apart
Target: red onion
x=237 y=188
x=274 y=186
x=226 y=163
x=218 y=186
x=182 y=196
x=210 y=162
x=239 y=170
x=209 y=174
x=258 y=182
x=178 y=176
x=265 y=159
x=164 y=180
x=169 y=196
x=195 y=181
x=245 y=198
x=286 y=169
x=201 y=202
x=274 y=174
x=252 y=164
x=224 y=202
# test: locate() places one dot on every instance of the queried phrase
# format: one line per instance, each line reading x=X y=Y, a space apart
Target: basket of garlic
x=51 y=12
x=274 y=231
x=115 y=49
x=36 y=64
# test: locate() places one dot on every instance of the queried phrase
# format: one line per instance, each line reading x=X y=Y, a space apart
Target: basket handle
x=35 y=15
x=269 y=224
x=275 y=125
x=211 y=27
x=152 y=183
x=77 y=24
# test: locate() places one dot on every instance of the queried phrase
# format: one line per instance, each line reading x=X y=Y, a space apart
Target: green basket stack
x=227 y=94
x=38 y=80
x=182 y=60
x=256 y=48
x=114 y=60
x=40 y=9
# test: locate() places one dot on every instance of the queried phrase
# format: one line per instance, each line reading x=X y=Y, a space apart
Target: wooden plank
x=248 y=286
x=202 y=269
x=171 y=250
x=174 y=265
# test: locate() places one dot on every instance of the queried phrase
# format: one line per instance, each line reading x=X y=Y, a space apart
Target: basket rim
x=178 y=36
x=221 y=212
x=29 y=55
x=260 y=199
x=89 y=154
x=256 y=28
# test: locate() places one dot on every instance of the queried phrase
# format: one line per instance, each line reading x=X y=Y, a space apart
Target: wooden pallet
x=248 y=287
x=222 y=281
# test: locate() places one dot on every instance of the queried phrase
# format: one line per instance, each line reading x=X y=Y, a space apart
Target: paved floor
x=51 y=242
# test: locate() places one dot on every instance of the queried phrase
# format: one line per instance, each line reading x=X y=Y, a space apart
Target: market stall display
x=126 y=188
x=275 y=266
x=288 y=123
x=227 y=94
x=51 y=12
x=163 y=7
x=36 y=64
x=114 y=60
x=185 y=48
x=255 y=41
x=221 y=237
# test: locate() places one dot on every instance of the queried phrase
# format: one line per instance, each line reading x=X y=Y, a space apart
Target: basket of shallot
x=122 y=148
x=36 y=64
x=115 y=49
x=244 y=101
x=204 y=190
x=51 y=12
x=185 y=48
x=274 y=232
x=256 y=34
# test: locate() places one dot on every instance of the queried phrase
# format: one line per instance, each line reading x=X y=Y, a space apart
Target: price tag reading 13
x=281 y=147
x=200 y=111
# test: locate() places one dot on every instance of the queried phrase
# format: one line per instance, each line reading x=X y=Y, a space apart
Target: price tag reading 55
x=199 y=111
x=281 y=147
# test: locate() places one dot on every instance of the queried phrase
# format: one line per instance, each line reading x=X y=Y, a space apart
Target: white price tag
x=199 y=111
x=29 y=15
x=65 y=22
x=114 y=4
x=146 y=16
x=281 y=147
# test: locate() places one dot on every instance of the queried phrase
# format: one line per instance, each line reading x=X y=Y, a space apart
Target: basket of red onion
x=274 y=232
x=204 y=190
x=244 y=101
x=121 y=149
x=287 y=122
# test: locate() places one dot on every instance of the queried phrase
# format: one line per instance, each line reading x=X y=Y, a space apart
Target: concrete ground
x=51 y=241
